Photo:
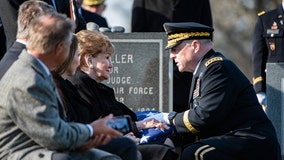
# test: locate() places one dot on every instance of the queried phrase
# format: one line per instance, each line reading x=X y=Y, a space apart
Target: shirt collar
x=196 y=68
x=21 y=41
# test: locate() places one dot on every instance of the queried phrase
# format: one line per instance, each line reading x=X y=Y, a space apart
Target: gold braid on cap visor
x=174 y=38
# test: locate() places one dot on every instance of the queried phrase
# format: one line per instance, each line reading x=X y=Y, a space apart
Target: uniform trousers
x=241 y=145
x=199 y=151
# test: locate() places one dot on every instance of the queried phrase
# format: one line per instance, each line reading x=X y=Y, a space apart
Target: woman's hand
x=151 y=123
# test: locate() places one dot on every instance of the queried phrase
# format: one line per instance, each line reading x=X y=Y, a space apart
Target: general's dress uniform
x=224 y=113
x=268 y=44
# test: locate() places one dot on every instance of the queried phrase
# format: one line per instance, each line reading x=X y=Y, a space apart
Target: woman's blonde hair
x=92 y=43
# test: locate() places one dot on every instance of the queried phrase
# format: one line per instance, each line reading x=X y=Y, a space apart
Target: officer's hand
x=261 y=96
x=100 y=127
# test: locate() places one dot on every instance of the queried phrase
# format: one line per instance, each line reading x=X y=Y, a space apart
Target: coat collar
x=203 y=61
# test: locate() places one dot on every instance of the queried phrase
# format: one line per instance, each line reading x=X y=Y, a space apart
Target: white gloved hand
x=261 y=96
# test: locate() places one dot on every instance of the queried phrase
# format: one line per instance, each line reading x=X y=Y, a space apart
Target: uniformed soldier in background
x=223 y=112
x=268 y=47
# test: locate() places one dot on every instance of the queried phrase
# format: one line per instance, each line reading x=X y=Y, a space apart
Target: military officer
x=223 y=112
x=268 y=46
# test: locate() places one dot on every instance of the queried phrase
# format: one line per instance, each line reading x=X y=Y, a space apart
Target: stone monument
x=142 y=71
x=275 y=99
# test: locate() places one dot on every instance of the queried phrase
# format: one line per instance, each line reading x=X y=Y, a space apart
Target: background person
x=92 y=11
x=268 y=47
x=223 y=113
x=9 y=13
x=28 y=11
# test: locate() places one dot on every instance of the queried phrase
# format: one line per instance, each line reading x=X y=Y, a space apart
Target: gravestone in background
x=275 y=99
x=141 y=71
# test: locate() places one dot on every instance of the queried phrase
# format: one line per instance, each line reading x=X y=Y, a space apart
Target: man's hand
x=100 y=127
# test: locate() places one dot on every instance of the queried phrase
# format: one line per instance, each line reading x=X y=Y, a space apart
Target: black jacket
x=94 y=17
x=10 y=57
x=268 y=44
x=99 y=97
x=150 y=15
x=75 y=107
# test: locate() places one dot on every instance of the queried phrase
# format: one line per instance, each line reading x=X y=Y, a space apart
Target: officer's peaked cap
x=177 y=32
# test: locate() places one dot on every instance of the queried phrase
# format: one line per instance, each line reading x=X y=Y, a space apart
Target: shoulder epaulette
x=261 y=13
x=212 y=60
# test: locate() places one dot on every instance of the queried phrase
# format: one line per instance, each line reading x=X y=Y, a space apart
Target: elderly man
x=223 y=113
x=25 y=17
x=30 y=123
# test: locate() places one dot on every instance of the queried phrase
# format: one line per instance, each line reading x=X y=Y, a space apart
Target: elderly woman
x=95 y=51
